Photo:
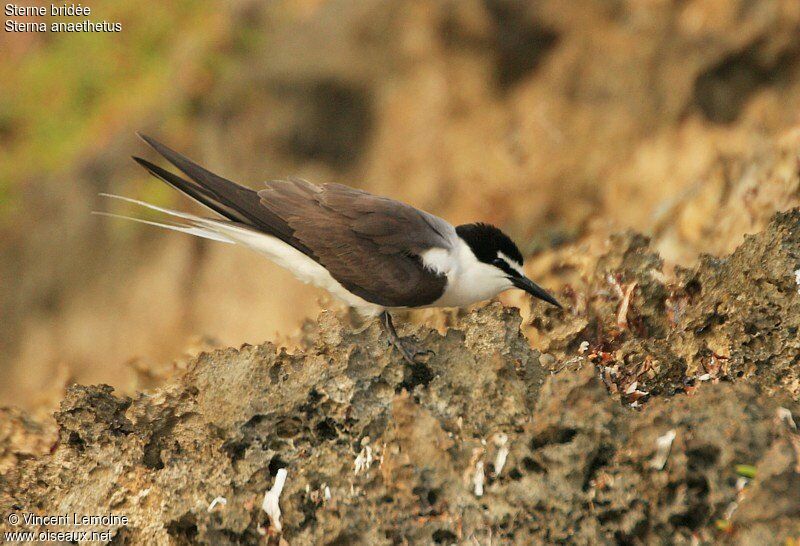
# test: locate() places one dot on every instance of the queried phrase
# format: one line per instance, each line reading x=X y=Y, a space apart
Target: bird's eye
x=498 y=262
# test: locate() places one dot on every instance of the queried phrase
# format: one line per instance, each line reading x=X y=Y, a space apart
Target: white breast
x=468 y=279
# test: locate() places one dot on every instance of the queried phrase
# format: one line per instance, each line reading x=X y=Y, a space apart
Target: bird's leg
x=407 y=350
x=388 y=327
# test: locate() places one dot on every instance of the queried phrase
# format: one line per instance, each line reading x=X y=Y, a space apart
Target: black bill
x=534 y=290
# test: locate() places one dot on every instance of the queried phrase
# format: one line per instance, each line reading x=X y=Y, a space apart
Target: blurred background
x=554 y=120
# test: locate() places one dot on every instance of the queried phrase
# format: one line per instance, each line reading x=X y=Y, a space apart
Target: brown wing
x=369 y=244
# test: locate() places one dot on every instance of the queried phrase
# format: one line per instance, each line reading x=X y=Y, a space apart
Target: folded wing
x=369 y=244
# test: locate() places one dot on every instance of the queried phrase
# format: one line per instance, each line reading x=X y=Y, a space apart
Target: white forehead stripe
x=513 y=263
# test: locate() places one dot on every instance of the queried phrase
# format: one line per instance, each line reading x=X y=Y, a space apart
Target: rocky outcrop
x=659 y=414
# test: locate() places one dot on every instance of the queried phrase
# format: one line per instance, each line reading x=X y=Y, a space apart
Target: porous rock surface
x=489 y=440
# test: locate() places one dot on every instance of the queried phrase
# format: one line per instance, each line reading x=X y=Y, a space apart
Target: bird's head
x=494 y=248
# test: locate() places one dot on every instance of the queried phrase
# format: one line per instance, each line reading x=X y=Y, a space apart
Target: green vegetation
x=746 y=470
x=66 y=95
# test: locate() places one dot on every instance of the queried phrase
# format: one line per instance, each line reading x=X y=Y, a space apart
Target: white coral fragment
x=622 y=314
x=785 y=416
x=663 y=447
x=363 y=460
x=501 y=440
x=478 y=479
x=741 y=483
x=218 y=501
x=271 y=498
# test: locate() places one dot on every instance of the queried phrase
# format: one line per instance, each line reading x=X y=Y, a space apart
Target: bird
x=376 y=254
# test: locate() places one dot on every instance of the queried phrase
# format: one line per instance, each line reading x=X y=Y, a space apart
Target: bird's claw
x=424 y=353
x=408 y=350
x=413 y=354
x=420 y=356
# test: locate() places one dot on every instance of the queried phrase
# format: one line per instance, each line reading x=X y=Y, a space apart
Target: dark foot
x=410 y=352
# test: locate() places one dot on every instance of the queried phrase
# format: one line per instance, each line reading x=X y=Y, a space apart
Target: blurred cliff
x=555 y=120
